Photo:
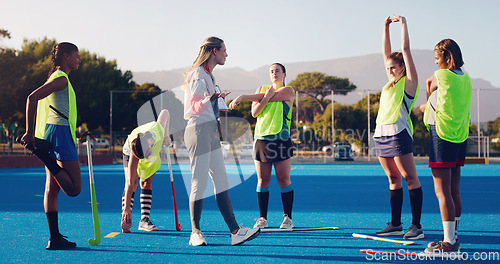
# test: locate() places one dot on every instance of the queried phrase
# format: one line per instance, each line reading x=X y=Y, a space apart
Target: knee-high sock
x=396 y=197
x=146 y=197
x=263 y=200
x=287 y=199
x=226 y=209
x=416 y=198
x=131 y=201
x=53 y=222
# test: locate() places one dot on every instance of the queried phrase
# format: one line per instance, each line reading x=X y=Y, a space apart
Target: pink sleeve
x=196 y=104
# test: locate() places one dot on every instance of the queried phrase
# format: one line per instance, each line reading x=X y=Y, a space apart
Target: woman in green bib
x=52 y=137
x=394 y=132
x=447 y=116
x=141 y=160
x=272 y=105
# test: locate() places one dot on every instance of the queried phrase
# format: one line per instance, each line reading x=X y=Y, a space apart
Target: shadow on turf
x=360 y=258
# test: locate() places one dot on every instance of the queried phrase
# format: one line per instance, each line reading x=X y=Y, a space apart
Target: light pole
x=333 y=121
x=369 y=134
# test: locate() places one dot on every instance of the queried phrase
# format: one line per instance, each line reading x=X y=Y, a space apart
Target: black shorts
x=445 y=154
x=272 y=150
x=394 y=146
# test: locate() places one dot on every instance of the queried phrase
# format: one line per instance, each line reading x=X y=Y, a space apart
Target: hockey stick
x=177 y=224
x=95 y=214
x=406 y=243
x=264 y=230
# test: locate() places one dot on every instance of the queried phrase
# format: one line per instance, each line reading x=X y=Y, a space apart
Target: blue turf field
x=352 y=197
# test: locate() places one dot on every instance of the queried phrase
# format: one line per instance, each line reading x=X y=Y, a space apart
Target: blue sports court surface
x=352 y=197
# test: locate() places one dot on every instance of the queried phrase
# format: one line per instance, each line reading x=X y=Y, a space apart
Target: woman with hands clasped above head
x=394 y=132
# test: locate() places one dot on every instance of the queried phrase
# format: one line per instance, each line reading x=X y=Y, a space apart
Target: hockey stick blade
x=265 y=230
x=406 y=243
x=95 y=213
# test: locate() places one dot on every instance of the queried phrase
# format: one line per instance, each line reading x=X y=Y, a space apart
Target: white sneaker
x=244 y=234
x=287 y=223
x=147 y=225
x=197 y=239
x=261 y=223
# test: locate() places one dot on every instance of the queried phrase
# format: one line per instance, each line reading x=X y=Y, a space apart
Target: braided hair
x=57 y=54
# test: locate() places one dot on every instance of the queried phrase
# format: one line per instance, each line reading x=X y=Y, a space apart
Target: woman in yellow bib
x=447 y=116
x=54 y=140
x=394 y=130
x=141 y=159
x=272 y=105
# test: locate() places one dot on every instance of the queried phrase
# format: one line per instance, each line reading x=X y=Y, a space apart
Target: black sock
x=396 y=197
x=53 y=222
x=263 y=201
x=287 y=200
x=416 y=199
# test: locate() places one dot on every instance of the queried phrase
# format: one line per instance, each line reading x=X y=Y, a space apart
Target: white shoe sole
x=415 y=238
x=393 y=233
x=254 y=235
x=148 y=230
x=261 y=226
x=202 y=244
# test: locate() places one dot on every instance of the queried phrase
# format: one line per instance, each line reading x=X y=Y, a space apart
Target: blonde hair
x=206 y=49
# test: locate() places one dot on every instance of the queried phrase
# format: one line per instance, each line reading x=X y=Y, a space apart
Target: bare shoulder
x=57 y=84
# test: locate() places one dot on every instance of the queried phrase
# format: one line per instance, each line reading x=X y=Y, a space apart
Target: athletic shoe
x=391 y=230
x=442 y=247
x=433 y=244
x=146 y=225
x=287 y=223
x=261 y=223
x=414 y=233
x=126 y=226
x=60 y=243
x=244 y=234
x=197 y=239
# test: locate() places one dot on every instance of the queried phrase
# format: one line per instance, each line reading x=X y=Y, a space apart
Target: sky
x=164 y=35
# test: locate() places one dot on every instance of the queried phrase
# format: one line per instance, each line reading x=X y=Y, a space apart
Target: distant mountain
x=366 y=72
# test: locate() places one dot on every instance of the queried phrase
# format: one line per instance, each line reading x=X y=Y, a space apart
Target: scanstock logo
x=236 y=144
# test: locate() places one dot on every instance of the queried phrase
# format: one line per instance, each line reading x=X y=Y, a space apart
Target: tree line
x=22 y=71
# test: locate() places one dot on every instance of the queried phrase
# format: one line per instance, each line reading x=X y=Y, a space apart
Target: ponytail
x=57 y=54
